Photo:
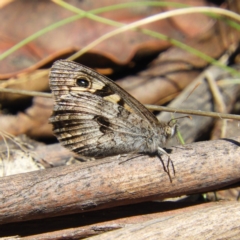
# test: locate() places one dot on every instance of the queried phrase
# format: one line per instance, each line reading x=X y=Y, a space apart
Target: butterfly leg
x=128 y=157
x=166 y=168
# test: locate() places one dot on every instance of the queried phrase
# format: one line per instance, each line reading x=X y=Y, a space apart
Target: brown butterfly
x=94 y=117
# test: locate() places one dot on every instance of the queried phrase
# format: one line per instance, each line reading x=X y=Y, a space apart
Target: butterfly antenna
x=174 y=119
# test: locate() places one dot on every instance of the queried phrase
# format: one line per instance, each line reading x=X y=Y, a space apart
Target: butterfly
x=96 y=118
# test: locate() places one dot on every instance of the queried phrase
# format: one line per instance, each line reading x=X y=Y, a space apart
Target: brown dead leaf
x=36 y=15
x=33 y=122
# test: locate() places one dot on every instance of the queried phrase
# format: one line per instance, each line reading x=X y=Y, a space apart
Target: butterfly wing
x=93 y=116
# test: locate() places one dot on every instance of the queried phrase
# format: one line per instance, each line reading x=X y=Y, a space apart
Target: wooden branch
x=200 y=167
x=219 y=221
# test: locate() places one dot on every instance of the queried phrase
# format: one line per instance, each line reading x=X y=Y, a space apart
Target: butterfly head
x=171 y=129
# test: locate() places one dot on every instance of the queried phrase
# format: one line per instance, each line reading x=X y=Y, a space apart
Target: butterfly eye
x=82 y=82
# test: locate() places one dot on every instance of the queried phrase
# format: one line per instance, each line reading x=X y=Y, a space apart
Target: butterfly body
x=94 y=117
